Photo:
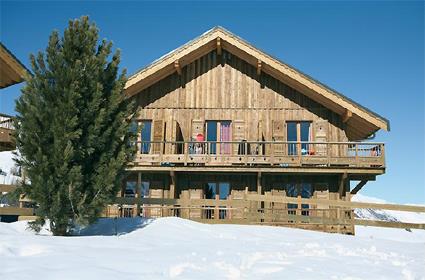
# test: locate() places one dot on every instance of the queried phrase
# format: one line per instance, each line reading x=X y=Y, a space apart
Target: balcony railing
x=6 y=130
x=260 y=153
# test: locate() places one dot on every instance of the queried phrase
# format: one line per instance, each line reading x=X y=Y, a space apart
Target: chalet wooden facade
x=220 y=118
x=12 y=71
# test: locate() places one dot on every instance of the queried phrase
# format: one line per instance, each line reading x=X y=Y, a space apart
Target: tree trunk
x=58 y=229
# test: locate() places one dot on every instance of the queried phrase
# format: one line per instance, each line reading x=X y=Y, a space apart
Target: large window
x=222 y=189
x=299 y=132
x=219 y=131
x=212 y=136
x=146 y=136
x=305 y=190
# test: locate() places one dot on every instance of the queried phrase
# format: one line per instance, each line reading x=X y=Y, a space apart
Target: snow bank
x=385 y=215
x=173 y=248
x=6 y=165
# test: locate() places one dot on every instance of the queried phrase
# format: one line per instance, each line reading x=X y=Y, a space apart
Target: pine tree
x=72 y=128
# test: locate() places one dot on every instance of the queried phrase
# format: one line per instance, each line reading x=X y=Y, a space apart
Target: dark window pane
x=305 y=137
x=291 y=191
x=306 y=191
x=210 y=192
x=291 y=136
x=130 y=189
x=146 y=136
x=224 y=190
x=144 y=192
x=212 y=136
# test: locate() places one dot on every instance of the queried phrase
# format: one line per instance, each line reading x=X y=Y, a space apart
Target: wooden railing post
x=382 y=154
x=216 y=208
x=246 y=153
x=161 y=151
x=299 y=153
x=299 y=210
x=328 y=153
x=271 y=153
x=357 y=154
x=186 y=152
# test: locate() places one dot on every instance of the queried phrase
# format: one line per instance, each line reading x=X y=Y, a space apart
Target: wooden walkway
x=251 y=209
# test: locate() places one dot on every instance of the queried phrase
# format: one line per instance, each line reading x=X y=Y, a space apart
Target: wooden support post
x=219 y=48
x=342 y=185
x=138 y=192
x=186 y=152
x=178 y=67
x=259 y=189
x=299 y=206
x=216 y=208
x=172 y=185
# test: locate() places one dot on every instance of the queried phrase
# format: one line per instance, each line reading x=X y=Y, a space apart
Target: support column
x=259 y=187
x=138 y=194
x=342 y=185
x=172 y=185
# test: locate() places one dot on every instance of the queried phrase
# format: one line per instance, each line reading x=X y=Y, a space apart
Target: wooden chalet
x=12 y=71
x=220 y=118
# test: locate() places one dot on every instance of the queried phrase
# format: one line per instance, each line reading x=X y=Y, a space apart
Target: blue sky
x=372 y=52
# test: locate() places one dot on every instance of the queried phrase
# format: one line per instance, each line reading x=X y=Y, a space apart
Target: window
x=299 y=132
x=304 y=190
x=219 y=131
x=222 y=189
x=146 y=136
x=212 y=136
x=130 y=189
x=144 y=192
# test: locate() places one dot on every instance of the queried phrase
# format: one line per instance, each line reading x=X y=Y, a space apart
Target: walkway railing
x=251 y=153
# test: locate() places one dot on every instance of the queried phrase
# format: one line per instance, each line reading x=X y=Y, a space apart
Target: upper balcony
x=251 y=154
x=7 y=142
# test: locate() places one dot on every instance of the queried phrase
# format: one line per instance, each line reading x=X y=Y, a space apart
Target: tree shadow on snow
x=112 y=226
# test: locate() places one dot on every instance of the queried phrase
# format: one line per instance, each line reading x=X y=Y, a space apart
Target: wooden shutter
x=239 y=134
x=321 y=135
x=197 y=128
x=278 y=134
x=158 y=135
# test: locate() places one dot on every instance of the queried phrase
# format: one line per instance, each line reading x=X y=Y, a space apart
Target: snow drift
x=173 y=248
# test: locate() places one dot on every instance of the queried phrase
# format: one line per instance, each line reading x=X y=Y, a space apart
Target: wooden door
x=321 y=135
x=278 y=134
x=158 y=136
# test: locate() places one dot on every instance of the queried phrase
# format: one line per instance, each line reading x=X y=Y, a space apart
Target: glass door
x=146 y=136
x=212 y=136
x=225 y=135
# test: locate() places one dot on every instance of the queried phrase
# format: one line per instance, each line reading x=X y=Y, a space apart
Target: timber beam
x=178 y=67
x=346 y=116
x=259 y=66
x=359 y=186
x=342 y=184
x=219 y=48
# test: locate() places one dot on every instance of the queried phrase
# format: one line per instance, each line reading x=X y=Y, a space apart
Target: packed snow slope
x=173 y=248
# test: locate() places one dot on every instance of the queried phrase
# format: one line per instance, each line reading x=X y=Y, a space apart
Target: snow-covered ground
x=173 y=248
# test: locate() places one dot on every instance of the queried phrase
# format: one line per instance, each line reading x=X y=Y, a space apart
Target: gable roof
x=361 y=122
x=12 y=71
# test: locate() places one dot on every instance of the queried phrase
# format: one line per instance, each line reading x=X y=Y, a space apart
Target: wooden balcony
x=7 y=142
x=252 y=154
